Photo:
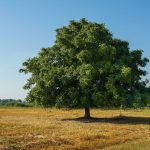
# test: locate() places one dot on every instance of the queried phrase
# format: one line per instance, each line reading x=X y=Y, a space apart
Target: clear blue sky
x=28 y=25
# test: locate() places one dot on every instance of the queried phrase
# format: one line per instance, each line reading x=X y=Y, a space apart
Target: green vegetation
x=14 y=103
x=87 y=67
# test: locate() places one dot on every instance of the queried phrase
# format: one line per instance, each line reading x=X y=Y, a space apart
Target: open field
x=39 y=129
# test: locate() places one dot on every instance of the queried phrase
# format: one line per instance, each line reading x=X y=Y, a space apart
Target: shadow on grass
x=115 y=120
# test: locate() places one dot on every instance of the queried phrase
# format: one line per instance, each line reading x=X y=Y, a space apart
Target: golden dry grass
x=37 y=129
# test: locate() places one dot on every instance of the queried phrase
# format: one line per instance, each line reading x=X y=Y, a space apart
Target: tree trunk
x=87 y=113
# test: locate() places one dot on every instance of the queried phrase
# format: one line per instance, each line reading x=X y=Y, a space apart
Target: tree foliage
x=86 y=67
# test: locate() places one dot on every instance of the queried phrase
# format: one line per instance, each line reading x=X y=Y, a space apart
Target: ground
x=53 y=129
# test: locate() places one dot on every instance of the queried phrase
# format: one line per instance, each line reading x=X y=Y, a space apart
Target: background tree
x=85 y=67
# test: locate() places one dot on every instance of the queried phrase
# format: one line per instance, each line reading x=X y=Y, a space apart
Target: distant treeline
x=14 y=103
x=21 y=103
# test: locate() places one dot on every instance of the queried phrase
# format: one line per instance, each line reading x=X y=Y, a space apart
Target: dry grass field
x=52 y=129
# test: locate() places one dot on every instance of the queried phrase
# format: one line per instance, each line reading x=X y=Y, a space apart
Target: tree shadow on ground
x=115 y=120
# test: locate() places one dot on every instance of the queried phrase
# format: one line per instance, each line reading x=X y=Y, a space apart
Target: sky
x=26 y=26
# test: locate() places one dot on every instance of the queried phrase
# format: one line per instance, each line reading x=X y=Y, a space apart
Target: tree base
x=87 y=113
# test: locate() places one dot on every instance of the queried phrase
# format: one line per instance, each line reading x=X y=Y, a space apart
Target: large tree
x=85 y=67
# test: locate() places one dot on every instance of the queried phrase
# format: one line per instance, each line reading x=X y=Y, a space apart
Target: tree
x=86 y=67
